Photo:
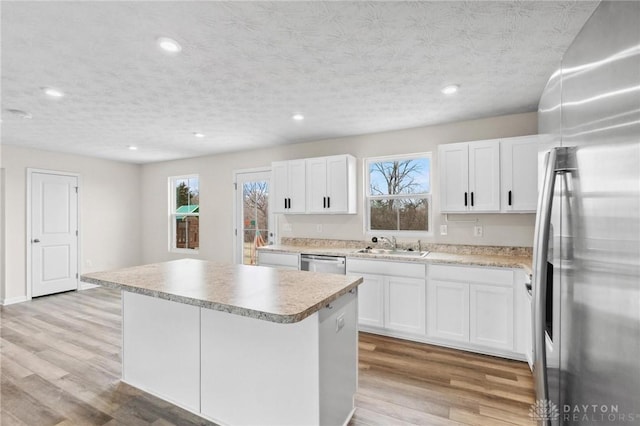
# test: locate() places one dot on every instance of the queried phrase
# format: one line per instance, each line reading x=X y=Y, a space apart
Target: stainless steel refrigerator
x=587 y=245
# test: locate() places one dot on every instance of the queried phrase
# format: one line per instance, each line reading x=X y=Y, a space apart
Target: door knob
x=36 y=240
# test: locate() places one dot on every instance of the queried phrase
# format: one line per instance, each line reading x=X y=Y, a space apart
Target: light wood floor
x=60 y=365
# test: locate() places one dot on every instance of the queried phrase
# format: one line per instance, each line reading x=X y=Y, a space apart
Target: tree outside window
x=185 y=212
x=398 y=193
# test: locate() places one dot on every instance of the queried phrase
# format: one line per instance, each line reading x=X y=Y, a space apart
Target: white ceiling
x=246 y=67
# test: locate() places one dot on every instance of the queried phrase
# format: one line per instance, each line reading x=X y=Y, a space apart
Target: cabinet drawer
x=279 y=259
x=497 y=276
x=383 y=267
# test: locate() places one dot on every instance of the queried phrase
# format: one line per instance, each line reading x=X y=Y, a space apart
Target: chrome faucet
x=392 y=242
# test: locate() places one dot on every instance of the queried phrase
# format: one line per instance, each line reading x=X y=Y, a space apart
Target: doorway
x=254 y=222
x=52 y=231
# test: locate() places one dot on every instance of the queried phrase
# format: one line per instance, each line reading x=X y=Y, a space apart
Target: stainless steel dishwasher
x=321 y=263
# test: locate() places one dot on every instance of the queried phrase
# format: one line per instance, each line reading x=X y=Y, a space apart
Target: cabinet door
x=279 y=186
x=491 y=313
x=519 y=166
x=317 y=185
x=279 y=260
x=454 y=177
x=405 y=305
x=484 y=176
x=448 y=310
x=370 y=301
x=297 y=186
x=337 y=184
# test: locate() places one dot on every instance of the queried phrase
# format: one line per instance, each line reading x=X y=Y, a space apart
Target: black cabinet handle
x=509 y=197
x=324 y=202
x=328 y=202
x=472 y=199
x=288 y=203
x=465 y=199
x=285 y=203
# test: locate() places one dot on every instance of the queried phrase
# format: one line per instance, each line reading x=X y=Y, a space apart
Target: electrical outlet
x=477 y=231
x=443 y=229
x=319 y=228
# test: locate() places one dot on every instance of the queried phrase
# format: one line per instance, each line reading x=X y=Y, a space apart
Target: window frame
x=368 y=197
x=172 y=217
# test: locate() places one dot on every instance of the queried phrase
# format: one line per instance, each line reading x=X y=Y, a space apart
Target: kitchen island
x=240 y=345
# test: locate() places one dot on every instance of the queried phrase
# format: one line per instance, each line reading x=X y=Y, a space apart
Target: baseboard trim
x=13 y=300
x=87 y=286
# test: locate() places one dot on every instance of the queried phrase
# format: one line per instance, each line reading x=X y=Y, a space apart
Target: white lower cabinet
x=392 y=296
x=473 y=306
x=279 y=260
x=491 y=316
x=404 y=304
x=371 y=300
x=448 y=310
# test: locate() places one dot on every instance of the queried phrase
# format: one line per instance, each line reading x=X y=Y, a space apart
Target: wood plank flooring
x=60 y=365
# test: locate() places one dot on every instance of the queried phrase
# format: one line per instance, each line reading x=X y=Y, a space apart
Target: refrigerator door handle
x=541 y=248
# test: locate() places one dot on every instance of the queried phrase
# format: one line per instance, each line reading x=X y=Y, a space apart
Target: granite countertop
x=269 y=294
x=476 y=259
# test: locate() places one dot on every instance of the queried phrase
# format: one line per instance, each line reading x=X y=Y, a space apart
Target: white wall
x=216 y=189
x=110 y=211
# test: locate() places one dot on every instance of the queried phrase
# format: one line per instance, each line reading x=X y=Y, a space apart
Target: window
x=184 y=196
x=398 y=194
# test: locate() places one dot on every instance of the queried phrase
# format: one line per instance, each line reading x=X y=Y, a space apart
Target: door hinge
x=76 y=189
x=235 y=232
x=235 y=186
x=76 y=275
x=76 y=232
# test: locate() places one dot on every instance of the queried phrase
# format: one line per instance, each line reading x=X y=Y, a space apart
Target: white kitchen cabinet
x=470 y=177
x=405 y=304
x=279 y=260
x=491 y=316
x=519 y=174
x=448 y=310
x=471 y=305
x=523 y=314
x=371 y=300
x=288 y=186
x=331 y=184
x=392 y=297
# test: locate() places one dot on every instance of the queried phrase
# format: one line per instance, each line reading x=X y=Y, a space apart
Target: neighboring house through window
x=184 y=193
x=398 y=194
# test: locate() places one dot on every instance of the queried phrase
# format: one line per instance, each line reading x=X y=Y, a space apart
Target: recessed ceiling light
x=451 y=89
x=169 y=45
x=132 y=148
x=198 y=134
x=298 y=117
x=54 y=93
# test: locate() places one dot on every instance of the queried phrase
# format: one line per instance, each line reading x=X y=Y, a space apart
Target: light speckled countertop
x=488 y=259
x=258 y=292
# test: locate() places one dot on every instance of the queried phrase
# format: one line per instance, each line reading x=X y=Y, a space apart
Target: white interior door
x=54 y=233
x=254 y=222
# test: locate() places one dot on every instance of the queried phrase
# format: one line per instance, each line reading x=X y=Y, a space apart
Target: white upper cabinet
x=519 y=167
x=454 y=177
x=470 y=177
x=288 y=186
x=331 y=184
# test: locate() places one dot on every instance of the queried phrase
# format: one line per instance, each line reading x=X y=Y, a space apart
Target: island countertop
x=281 y=296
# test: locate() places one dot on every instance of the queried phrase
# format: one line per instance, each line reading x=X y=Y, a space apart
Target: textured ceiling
x=246 y=67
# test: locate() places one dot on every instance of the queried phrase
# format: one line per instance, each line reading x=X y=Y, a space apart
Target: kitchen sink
x=392 y=252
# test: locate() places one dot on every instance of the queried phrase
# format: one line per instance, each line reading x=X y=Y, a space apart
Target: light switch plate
x=443 y=230
x=477 y=231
